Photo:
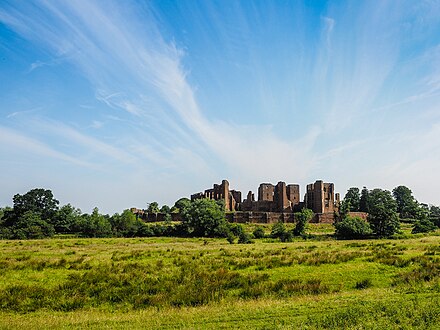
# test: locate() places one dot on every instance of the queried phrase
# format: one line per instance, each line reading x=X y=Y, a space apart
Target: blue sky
x=119 y=103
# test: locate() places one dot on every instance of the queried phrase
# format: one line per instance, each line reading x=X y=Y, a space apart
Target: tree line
x=37 y=214
x=386 y=210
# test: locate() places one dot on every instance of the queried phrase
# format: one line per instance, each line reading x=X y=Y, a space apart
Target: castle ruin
x=275 y=202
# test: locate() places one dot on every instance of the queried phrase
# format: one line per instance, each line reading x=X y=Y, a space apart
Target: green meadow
x=150 y=283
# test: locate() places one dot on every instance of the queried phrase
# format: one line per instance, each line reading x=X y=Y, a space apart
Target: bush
x=278 y=230
x=364 y=284
x=236 y=229
x=302 y=218
x=258 y=232
x=244 y=238
x=423 y=226
x=352 y=227
x=144 y=230
x=230 y=238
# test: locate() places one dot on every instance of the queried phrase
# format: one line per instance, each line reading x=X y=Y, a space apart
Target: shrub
x=258 y=232
x=278 y=230
x=230 y=238
x=353 y=227
x=303 y=218
x=423 y=226
x=144 y=230
x=244 y=238
x=236 y=229
x=364 y=284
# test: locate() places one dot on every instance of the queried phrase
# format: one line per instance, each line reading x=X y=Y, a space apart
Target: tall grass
x=164 y=274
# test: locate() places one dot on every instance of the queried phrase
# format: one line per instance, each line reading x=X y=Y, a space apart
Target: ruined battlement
x=232 y=198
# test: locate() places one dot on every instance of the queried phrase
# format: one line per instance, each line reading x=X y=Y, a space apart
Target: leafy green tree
x=182 y=204
x=165 y=209
x=204 y=218
x=344 y=209
x=65 y=218
x=95 y=225
x=407 y=206
x=153 y=207
x=364 y=201
x=434 y=215
x=302 y=219
x=30 y=225
x=416 y=211
x=2 y=212
x=353 y=198
x=352 y=228
x=124 y=224
x=221 y=204
x=382 y=216
x=39 y=201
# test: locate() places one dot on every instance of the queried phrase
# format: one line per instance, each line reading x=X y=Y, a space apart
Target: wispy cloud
x=23 y=112
x=12 y=139
x=61 y=130
x=307 y=98
x=38 y=64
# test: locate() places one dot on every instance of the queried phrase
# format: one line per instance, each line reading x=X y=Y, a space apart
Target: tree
x=2 y=212
x=204 y=218
x=382 y=216
x=95 y=225
x=39 y=201
x=344 y=209
x=221 y=204
x=124 y=224
x=364 y=201
x=352 y=227
x=30 y=225
x=153 y=207
x=353 y=197
x=407 y=206
x=181 y=204
x=65 y=218
x=302 y=218
x=165 y=209
x=434 y=215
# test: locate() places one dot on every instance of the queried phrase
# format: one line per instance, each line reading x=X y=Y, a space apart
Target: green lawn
x=209 y=283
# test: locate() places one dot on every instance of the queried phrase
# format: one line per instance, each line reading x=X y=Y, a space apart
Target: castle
x=275 y=202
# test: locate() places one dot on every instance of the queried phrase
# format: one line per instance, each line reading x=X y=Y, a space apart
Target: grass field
x=153 y=283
